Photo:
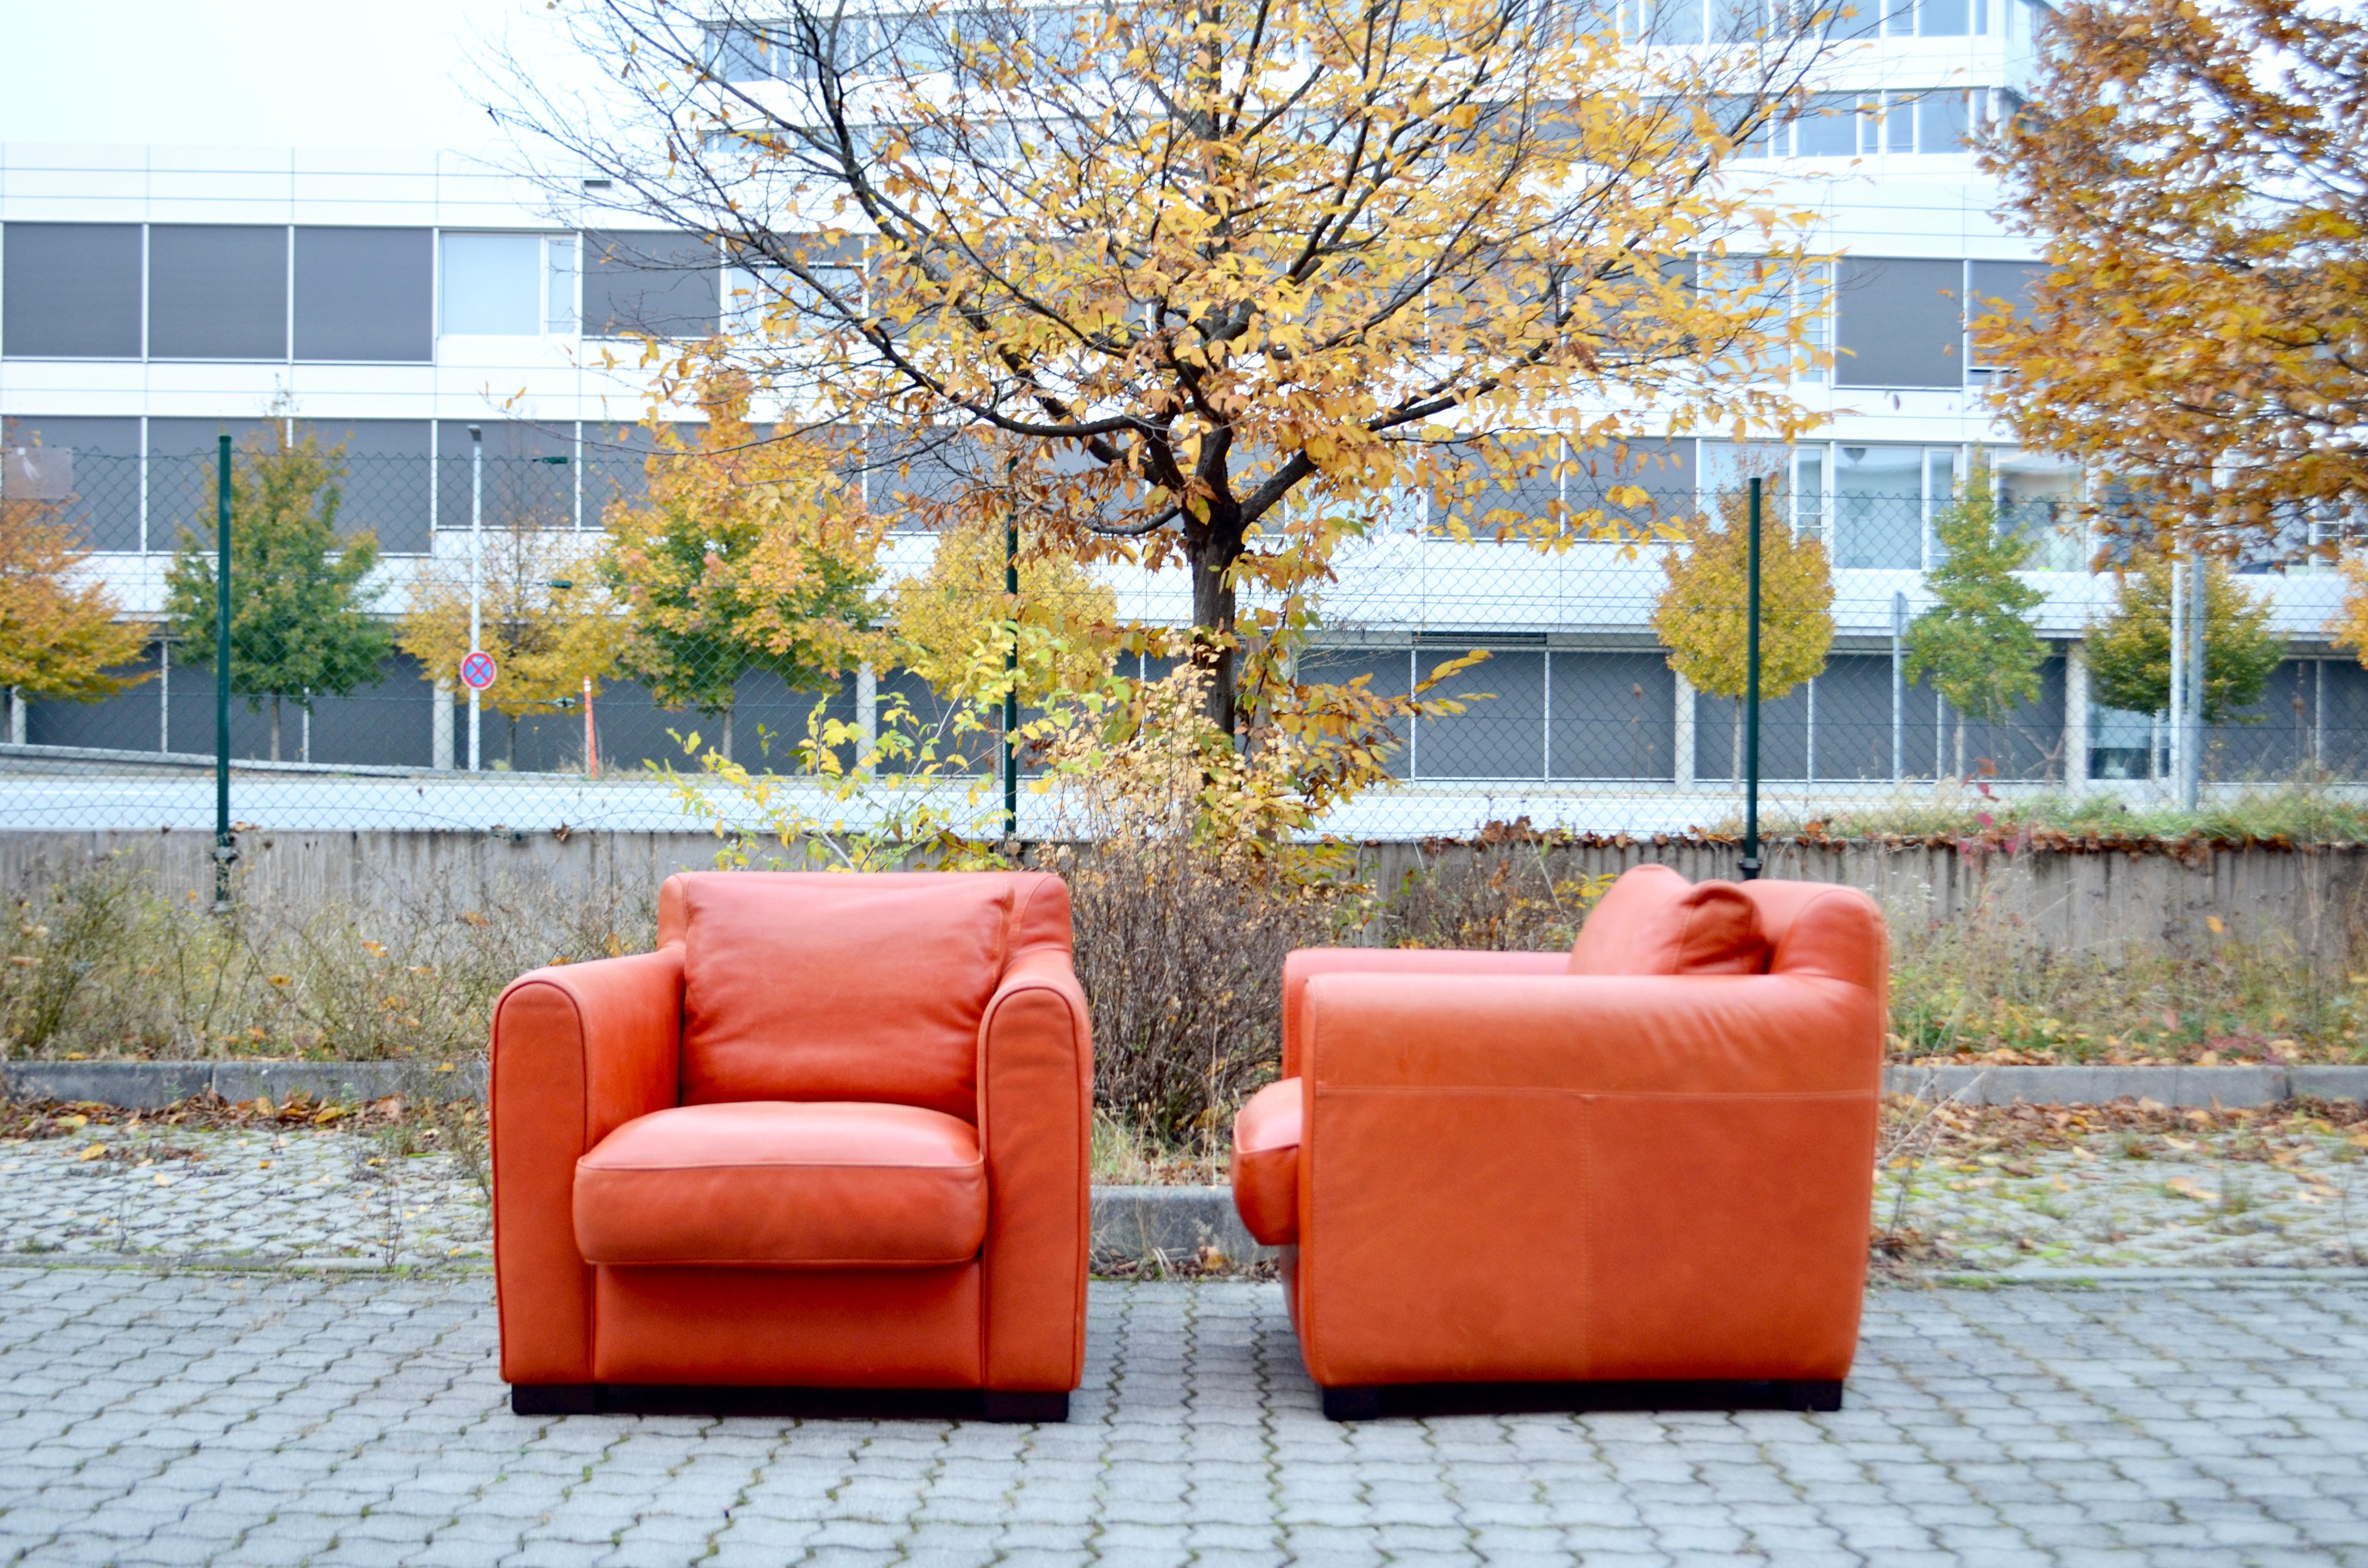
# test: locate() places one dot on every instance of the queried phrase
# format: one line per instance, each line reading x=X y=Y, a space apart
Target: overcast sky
x=258 y=72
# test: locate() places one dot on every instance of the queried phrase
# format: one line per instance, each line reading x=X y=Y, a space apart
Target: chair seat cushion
x=776 y=1183
x=1266 y=1163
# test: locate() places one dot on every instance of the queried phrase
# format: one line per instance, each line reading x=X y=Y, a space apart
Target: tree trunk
x=726 y=747
x=1960 y=746
x=1735 y=754
x=509 y=745
x=1212 y=547
x=275 y=728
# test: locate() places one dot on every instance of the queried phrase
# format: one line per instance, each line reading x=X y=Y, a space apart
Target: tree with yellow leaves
x=1219 y=287
x=954 y=622
x=545 y=617
x=1701 y=617
x=752 y=553
x=2194 y=169
x=61 y=633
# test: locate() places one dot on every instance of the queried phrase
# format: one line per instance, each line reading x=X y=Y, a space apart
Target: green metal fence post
x=1751 y=699
x=1011 y=671
x=224 y=852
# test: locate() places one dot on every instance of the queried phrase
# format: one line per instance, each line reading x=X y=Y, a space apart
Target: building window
x=1900 y=323
x=654 y=284
x=217 y=291
x=494 y=285
x=365 y=296
x=70 y=291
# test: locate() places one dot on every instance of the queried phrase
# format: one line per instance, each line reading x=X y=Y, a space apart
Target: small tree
x=1701 y=615
x=61 y=634
x=544 y=616
x=1977 y=641
x=299 y=620
x=2129 y=652
x=954 y=621
x=751 y=555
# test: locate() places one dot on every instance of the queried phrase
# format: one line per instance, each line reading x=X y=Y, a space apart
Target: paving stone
x=359 y=1419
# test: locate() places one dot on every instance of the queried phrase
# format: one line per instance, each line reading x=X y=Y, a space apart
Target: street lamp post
x=476 y=579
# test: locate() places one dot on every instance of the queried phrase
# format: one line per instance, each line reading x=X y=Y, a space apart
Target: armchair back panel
x=813 y=986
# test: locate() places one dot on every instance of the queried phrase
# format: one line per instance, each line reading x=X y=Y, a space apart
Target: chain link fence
x=1575 y=719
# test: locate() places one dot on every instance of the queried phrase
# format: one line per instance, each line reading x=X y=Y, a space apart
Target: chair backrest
x=818 y=986
x=1655 y=922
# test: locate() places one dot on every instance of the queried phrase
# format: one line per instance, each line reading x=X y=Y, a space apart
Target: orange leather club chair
x=830 y=1135
x=1648 y=1161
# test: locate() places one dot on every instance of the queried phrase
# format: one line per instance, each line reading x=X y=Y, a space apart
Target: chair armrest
x=1611 y=1034
x=1306 y=963
x=1035 y=1121
x=1585 y=1176
x=578 y=1050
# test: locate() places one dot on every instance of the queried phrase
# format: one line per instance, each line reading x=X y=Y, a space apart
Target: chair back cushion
x=814 y=986
x=1655 y=922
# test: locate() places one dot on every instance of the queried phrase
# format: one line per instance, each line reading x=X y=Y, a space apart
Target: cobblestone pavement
x=261 y=1196
x=342 y=1196
x=330 y=1417
x=2172 y=1207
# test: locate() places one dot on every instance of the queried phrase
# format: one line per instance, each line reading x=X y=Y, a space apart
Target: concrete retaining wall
x=2106 y=899
x=149 y=1085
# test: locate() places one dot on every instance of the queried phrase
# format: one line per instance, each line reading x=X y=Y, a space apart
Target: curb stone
x=151 y=1085
x=1170 y=1223
x=2183 y=1088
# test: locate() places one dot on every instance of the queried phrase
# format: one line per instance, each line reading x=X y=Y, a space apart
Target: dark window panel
x=1392 y=674
x=521 y=490
x=1900 y=322
x=664 y=285
x=1614 y=716
x=1854 y=717
x=1784 y=738
x=2272 y=738
x=217 y=291
x=181 y=473
x=125 y=721
x=1501 y=735
x=1663 y=469
x=90 y=467
x=70 y=291
x=2008 y=283
x=388 y=474
x=365 y=295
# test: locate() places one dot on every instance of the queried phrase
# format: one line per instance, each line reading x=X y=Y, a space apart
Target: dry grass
x=103 y=964
x=1985 y=988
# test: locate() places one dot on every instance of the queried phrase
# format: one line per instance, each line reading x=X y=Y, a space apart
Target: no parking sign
x=477 y=670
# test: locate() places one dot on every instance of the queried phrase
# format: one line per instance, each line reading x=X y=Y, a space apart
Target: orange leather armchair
x=1648 y=1160
x=831 y=1135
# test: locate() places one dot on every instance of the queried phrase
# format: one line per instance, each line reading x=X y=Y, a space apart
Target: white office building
x=154 y=297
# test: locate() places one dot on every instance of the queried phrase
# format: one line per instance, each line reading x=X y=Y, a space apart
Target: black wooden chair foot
x=554 y=1399
x=1352 y=1404
x=1023 y=1404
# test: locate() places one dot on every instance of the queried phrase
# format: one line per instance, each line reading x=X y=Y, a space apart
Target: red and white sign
x=477 y=670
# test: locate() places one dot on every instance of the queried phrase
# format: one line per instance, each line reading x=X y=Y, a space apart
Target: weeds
x=103 y=963
x=1983 y=986
x=2291 y=812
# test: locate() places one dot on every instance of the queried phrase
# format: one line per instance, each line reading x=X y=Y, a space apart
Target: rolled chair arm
x=1306 y=963
x=1035 y=1123
x=578 y=1050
